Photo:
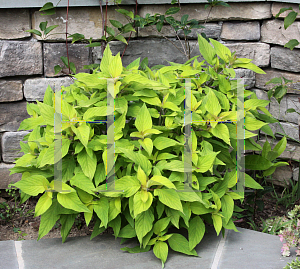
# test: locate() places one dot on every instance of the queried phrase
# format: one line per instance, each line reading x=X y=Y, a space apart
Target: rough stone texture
x=13 y=23
x=293 y=102
x=276 y=6
x=296 y=174
x=10 y=145
x=259 y=52
x=241 y=31
x=292 y=151
x=285 y=59
x=83 y=20
x=261 y=79
x=247 y=75
x=5 y=178
x=212 y=30
x=273 y=32
x=34 y=89
x=292 y=130
x=282 y=176
x=78 y=54
x=236 y=11
x=10 y=90
x=20 y=58
x=278 y=110
x=158 y=51
x=11 y=115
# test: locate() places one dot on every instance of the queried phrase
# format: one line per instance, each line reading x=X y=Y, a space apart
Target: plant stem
x=102 y=18
x=67 y=36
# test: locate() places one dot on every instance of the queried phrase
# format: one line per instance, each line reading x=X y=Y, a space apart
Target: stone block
x=273 y=32
x=236 y=11
x=5 y=178
x=247 y=75
x=241 y=31
x=262 y=79
x=10 y=144
x=78 y=53
x=259 y=52
x=262 y=95
x=285 y=59
x=212 y=30
x=296 y=174
x=290 y=129
x=20 y=58
x=293 y=102
x=10 y=90
x=282 y=176
x=34 y=89
x=12 y=114
x=278 y=110
x=83 y=20
x=158 y=51
x=16 y=21
x=276 y=6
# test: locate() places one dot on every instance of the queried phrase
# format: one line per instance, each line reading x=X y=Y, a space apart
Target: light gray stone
x=273 y=32
x=11 y=115
x=293 y=102
x=276 y=6
x=262 y=79
x=13 y=23
x=278 y=110
x=262 y=95
x=34 y=89
x=10 y=144
x=78 y=54
x=290 y=129
x=5 y=178
x=291 y=152
x=247 y=75
x=236 y=11
x=241 y=31
x=259 y=52
x=83 y=20
x=285 y=59
x=151 y=31
x=10 y=90
x=211 y=30
x=158 y=51
x=282 y=176
x=20 y=58
x=296 y=174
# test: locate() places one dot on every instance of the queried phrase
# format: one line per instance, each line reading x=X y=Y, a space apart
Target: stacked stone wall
x=250 y=29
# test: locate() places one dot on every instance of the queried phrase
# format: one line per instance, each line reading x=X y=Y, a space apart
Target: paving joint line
x=18 y=248
x=219 y=251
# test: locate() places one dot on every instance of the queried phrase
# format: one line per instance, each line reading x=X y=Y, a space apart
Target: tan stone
x=273 y=32
x=276 y=6
x=13 y=23
x=241 y=30
x=10 y=90
x=236 y=11
x=259 y=52
x=282 y=176
x=262 y=79
x=82 y=20
x=5 y=178
x=285 y=59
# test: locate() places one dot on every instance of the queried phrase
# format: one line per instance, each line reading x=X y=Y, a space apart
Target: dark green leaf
x=289 y=19
x=33 y=31
x=292 y=44
x=116 y=24
x=172 y=10
x=43 y=25
x=76 y=37
x=282 y=10
x=57 y=69
x=47 y=6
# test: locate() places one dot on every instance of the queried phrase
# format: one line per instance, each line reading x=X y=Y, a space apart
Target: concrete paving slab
x=245 y=250
x=8 y=255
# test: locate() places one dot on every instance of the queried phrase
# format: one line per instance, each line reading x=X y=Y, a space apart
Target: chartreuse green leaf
x=221 y=131
x=206 y=49
x=205 y=162
x=160 y=250
x=163 y=142
x=33 y=185
x=143 y=120
x=138 y=204
x=106 y=60
x=160 y=180
x=256 y=162
x=82 y=132
x=251 y=183
x=143 y=224
x=47 y=113
x=67 y=222
x=81 y=181
x=253 y=124
x=101 y=208
x=222 y=51
x=279 y=148
x=212 y=104
x=161 y=225
x=196 y=232
x=147 y=144
x=129 y=184
x=127 y=232
x=94 y=112
x=88 y=164
x=179 y=243
x=136 y=249
x=115 y=67
x=227 y=207
x=217 y=221
x=43 y=204
x=169 y=197
x=71 y=201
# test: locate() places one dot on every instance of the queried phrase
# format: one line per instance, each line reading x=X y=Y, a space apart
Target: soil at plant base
x=22 y=225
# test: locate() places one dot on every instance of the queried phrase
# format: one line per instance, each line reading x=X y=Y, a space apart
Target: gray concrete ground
x=245 y=250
